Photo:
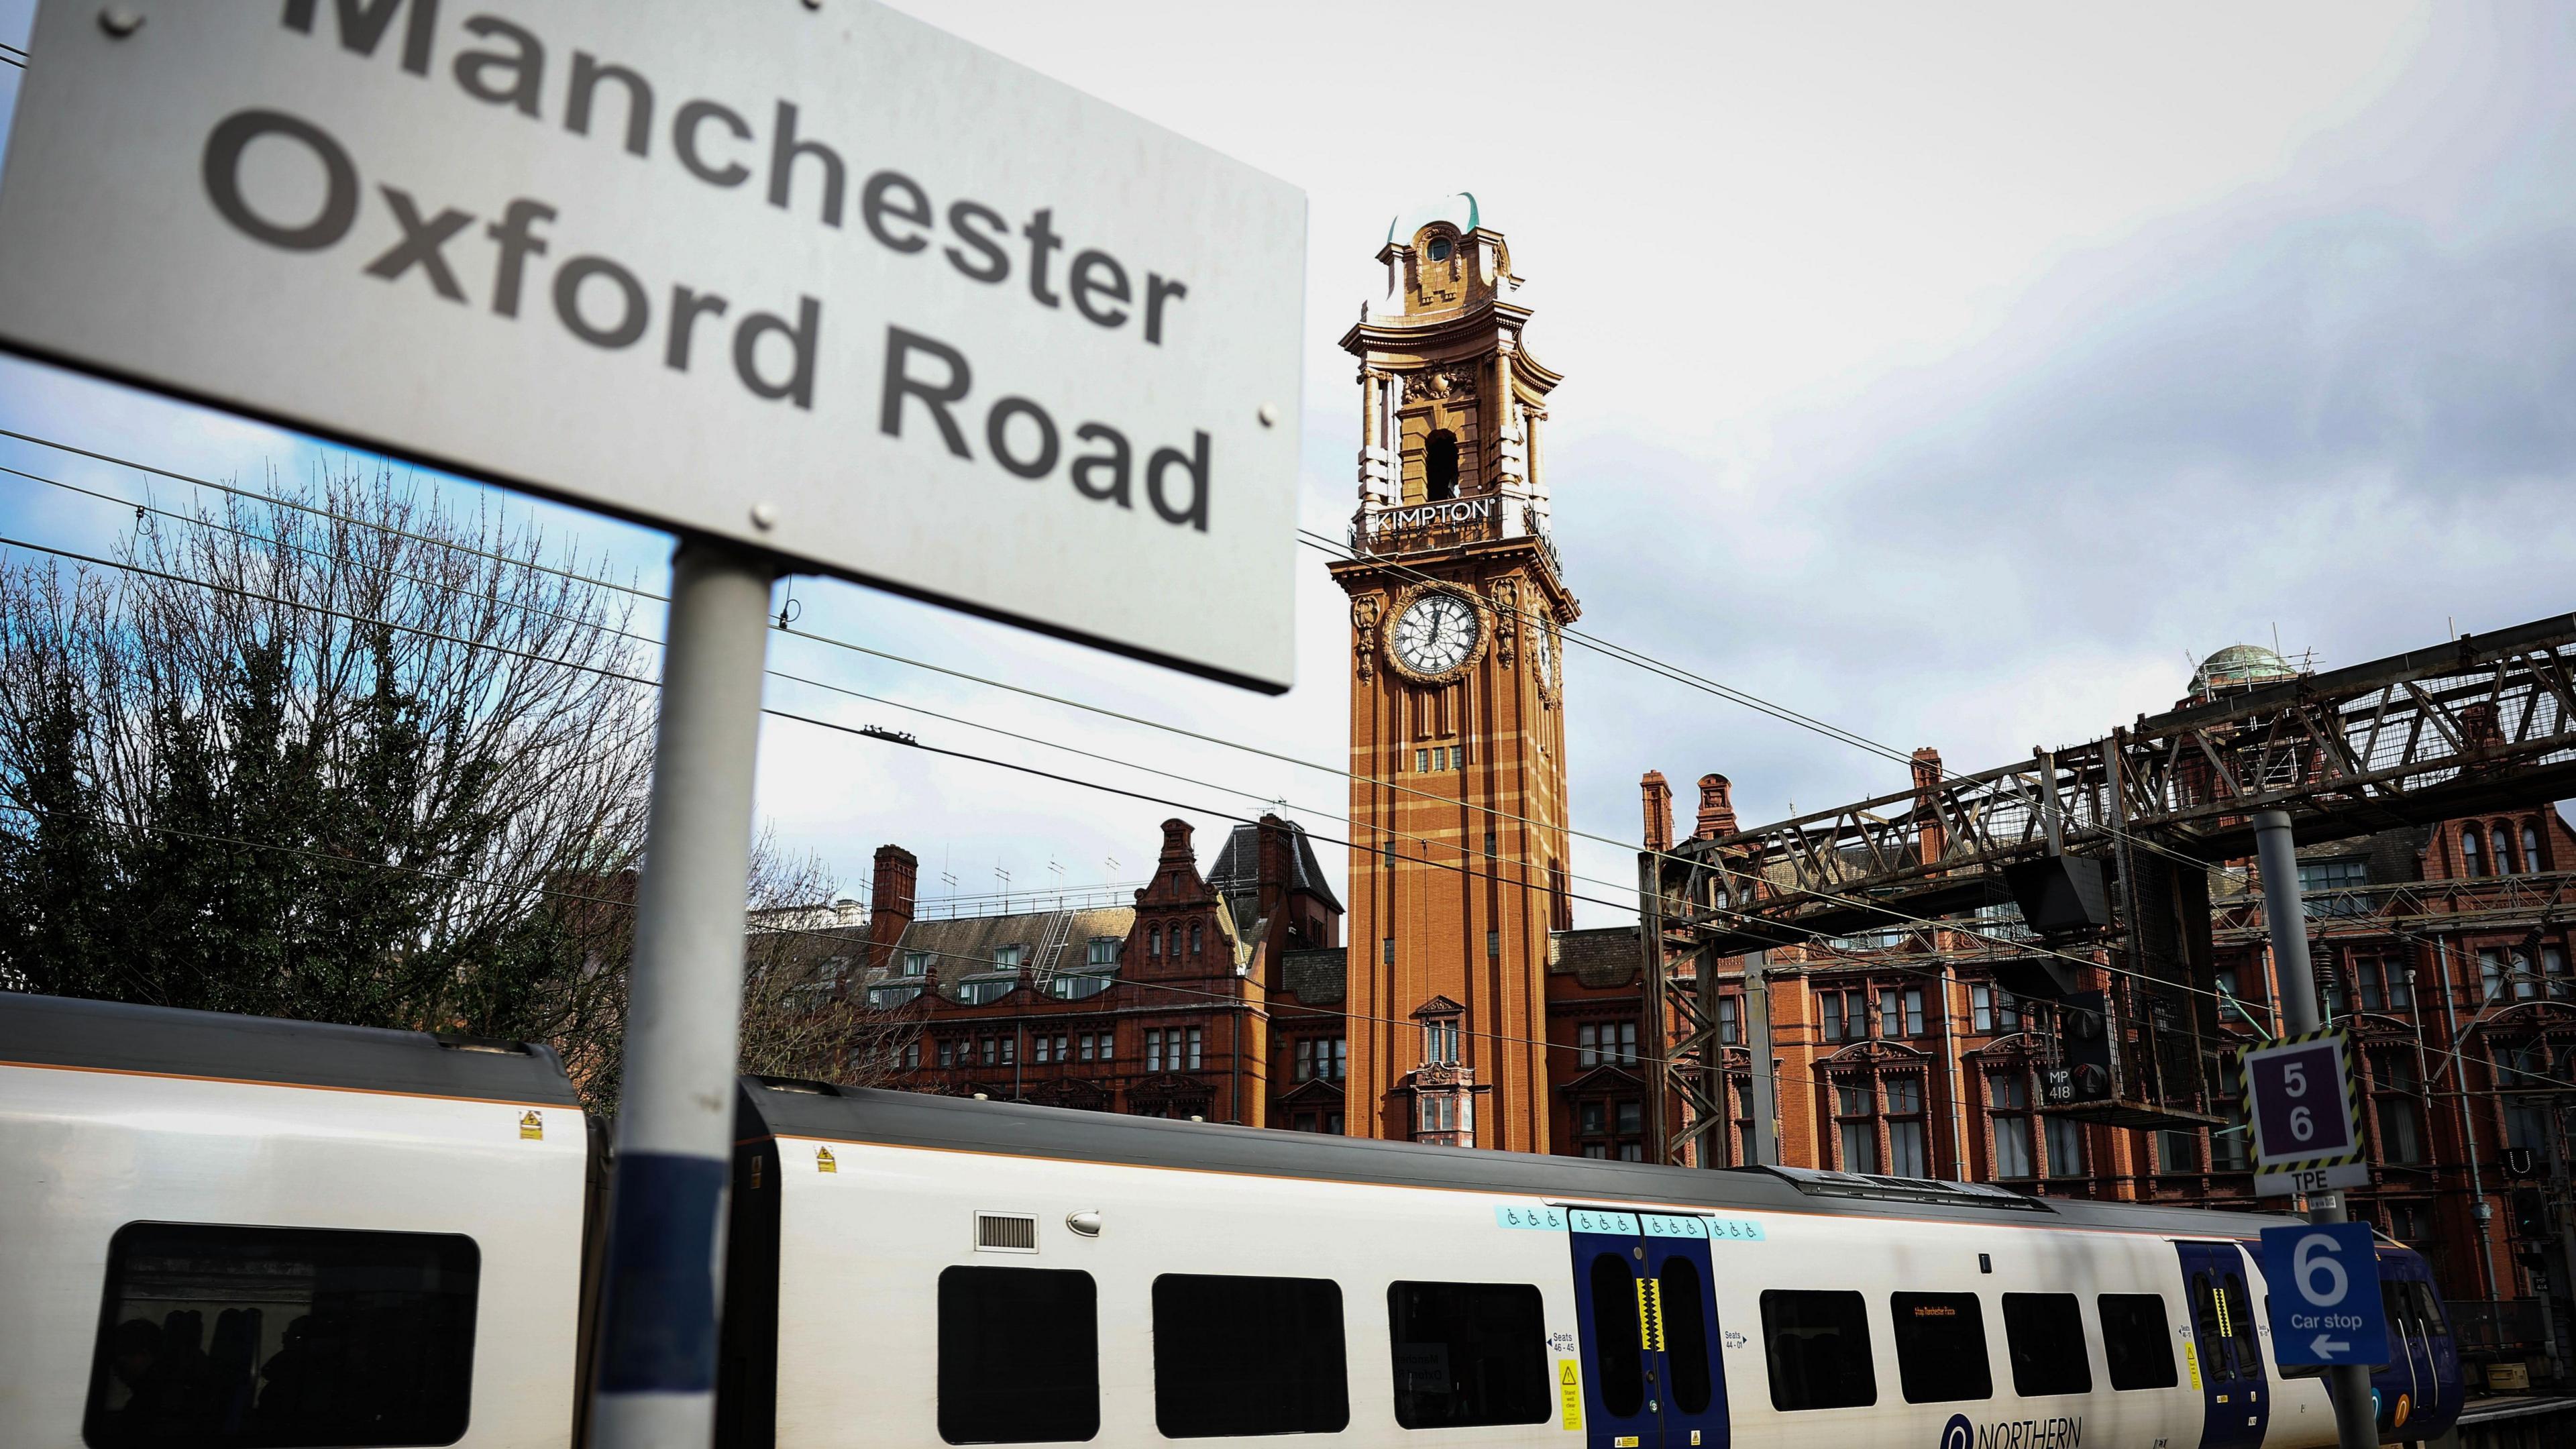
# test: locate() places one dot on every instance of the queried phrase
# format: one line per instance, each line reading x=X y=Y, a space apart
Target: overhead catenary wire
x=1891 y=913
x=1876 y=964
x=1518 y=879
x=611 y=631
x=1312 y=539
x=1340 y=772
x=1666 y=670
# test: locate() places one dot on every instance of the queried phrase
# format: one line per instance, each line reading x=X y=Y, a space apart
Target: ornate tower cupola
x=1457 y=733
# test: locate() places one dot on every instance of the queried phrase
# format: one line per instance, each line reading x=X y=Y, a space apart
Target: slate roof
x=1604 y=956
x=1320 y=977
x=964 y=946
x=1237 y=869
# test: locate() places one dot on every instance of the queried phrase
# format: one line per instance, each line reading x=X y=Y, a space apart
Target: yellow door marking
x=1569 y=1395
x=1650 y=1314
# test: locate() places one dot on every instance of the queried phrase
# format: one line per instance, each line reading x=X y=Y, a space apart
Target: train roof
x=161 y=1041
x=775 y=1107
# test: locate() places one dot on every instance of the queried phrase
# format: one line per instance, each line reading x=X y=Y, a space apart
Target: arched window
x=2503 y=862
x=2530 y=849
x=1440 y=466
x=2469 y=864
x=1194 y=938
x=1154 y=942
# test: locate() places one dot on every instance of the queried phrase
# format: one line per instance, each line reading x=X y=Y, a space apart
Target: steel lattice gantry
x=2484 y=721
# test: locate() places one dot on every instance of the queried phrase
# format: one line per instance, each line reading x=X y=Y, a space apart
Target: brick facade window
x=1440 y=1041
x=1856 y=1124
x=1327 y=1057
x=2008 y=1115
x=2177 y=1153
x=1993 y=1011
x=2065 y=1141
x=1729 y=1008
x=2396 y=1102
x=1839 y=1014
x=1611 y=1127
x=1172 y=1049
x=1606 y=1043
x=2383 y=980
x=1900 y=1012
x=1908 y=1143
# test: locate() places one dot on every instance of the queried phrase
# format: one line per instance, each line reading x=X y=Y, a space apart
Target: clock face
x=1437 y=634
x=1544 y=634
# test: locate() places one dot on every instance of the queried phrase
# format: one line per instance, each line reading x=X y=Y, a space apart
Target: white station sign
x=823 y=280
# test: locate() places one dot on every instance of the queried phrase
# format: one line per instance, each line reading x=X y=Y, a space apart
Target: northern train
x=228 y=1231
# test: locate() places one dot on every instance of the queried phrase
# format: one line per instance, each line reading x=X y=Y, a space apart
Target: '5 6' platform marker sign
x=2300 y=1097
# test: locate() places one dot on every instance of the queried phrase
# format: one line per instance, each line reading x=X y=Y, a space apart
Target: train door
x=1645 y=1301
x=2227 y=1358
x=2419 y=1386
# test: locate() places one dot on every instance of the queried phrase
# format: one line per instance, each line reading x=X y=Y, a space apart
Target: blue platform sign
x=2324 y=1279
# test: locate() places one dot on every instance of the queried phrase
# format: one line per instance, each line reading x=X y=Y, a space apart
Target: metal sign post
x=656 y=1364
x=812 y=286
x=2356 y=1425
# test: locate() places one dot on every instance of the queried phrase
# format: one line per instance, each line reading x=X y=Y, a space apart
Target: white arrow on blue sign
x=2324 y=1280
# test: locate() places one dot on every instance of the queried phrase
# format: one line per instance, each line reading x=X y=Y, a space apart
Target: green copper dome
x=1458 y=209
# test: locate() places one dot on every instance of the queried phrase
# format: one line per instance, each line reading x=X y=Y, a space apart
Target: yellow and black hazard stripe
x=2351 y=1104
x=1650 y=1314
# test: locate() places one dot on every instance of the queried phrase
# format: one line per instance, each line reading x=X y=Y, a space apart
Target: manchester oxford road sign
x=824 y=281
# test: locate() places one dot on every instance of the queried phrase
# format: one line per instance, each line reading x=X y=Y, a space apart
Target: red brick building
x=1212 y=995
x=2445 y=950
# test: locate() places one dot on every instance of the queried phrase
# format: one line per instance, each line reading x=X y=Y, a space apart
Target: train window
x=1618 y=1364
x=219 y=1336
x=1468 y=1354
x=1686 y=1335
x=1019 y=1355
x=1238 y=1355
x=2428 y=1308
x=1818 y=1344
x=2137 y=1342
x=1941 y=1347
x=2045 y=1334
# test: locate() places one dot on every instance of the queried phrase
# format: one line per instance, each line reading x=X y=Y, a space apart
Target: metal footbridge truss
x=2482 y=722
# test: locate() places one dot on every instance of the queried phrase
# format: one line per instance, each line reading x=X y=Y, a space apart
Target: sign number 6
x=2313 y=1260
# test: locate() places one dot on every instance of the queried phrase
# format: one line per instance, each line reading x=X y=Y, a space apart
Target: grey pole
x=1757 y=1038
x=2356 y=1427
x=656 y=1333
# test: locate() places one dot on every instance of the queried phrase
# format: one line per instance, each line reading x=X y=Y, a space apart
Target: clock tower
x=1458 y=811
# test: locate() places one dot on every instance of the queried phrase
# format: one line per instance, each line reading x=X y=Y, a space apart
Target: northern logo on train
x=1958 y=1433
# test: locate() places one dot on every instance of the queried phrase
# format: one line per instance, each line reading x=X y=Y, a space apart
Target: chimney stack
x=890 y=901
x=1659 y=810
x=1716 y=808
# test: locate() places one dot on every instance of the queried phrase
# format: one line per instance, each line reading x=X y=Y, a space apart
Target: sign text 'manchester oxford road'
x=828 y=281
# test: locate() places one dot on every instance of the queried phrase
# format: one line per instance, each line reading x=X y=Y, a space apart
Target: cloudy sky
x=1957 y=375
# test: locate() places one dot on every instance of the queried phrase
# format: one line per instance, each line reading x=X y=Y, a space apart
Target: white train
x=223 y=1231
